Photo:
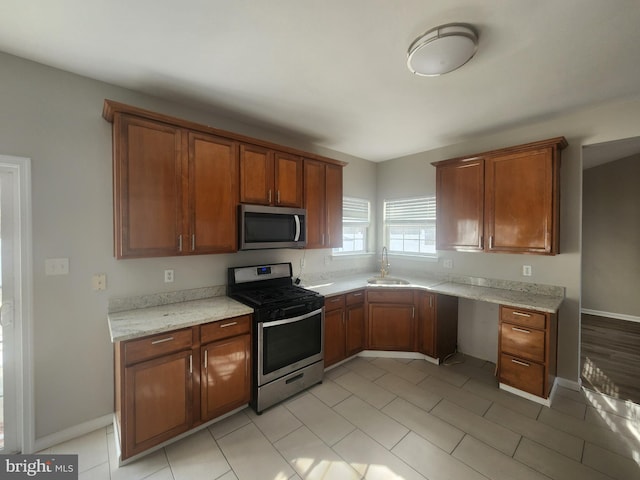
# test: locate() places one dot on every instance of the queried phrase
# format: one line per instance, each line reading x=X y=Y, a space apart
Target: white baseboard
x=570 y=384
x=391 y=354
x=534 y=398
x=67 y=434
x=618 y=316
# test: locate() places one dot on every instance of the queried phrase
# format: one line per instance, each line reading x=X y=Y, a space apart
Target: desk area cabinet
x=527 y=350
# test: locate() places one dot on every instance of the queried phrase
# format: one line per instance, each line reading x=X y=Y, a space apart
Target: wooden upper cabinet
x=521 y=199
x=323 y=201
x=460 y=205
x=177 y=185
x=213 y=190
x=288 y=180
x=148 y=208
x=175 y=191
x=269 y=177
x=505 y=200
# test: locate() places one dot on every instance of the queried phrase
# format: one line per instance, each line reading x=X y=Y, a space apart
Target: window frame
x=411 y=212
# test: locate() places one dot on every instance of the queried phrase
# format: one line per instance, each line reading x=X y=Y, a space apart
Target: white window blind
x=355 y=225
x=410 y=225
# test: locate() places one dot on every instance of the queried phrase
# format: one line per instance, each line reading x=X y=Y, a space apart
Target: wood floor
x=610 y=357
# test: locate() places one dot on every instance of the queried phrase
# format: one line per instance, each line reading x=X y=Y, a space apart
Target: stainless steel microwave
x=263 y=227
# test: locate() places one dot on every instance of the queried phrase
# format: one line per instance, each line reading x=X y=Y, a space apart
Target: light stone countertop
x=141 y=322
x=513 y=294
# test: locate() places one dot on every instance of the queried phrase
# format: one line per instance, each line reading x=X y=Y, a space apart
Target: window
x=410 y=226
x=355 y=225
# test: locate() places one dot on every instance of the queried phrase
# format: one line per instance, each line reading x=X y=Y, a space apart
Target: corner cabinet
x=168 y=383
x=174 y=191
x=392 y=320
x=323 y=201
x=505 y=201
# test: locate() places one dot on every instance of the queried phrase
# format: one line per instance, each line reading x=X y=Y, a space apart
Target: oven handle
x=297 y=220
x=284 y=321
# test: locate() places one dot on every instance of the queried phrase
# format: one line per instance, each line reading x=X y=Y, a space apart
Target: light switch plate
x=526 y=270
x=56 y=266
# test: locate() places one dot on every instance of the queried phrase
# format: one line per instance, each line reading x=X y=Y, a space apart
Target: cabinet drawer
x=526 y=318
x=156 y=345
x=524 y=342
x=334 y=303
x=522 y=374
x=354 y=298
x=230 y=327
x=390 y=296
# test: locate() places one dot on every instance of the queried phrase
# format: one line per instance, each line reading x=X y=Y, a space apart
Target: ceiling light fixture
x=442 y=49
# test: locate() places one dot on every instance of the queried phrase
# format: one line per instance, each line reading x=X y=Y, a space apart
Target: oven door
x=287 y=345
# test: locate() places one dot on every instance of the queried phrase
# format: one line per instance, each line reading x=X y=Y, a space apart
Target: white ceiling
x=333 y=72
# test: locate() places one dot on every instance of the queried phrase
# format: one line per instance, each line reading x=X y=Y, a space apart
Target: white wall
x=54 y=118
x=414 y=175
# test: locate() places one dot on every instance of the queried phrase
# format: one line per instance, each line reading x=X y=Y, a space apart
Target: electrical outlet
x=99 y=282
x=168 y=276
x=447 y=263
x=526 y=270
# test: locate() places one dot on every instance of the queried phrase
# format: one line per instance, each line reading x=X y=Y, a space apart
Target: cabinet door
x=158 y=396
x=213 y=194
x=333 y=199
x=520 y=197
x=427 y=327
x=288 y=180
x=315 y=203
x=148 y=200
x=334 y=337
x=225 y=376
x=460 y=205
x=355 y=329
x=391 y=327
x=256 y=175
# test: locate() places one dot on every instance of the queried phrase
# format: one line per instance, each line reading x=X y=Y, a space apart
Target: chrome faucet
x=384 y=267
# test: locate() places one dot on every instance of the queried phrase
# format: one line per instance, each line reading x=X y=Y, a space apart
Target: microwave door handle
x=297 y=220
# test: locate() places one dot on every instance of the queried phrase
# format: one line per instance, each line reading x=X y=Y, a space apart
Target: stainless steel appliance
x=263 y=227
x=288 y=331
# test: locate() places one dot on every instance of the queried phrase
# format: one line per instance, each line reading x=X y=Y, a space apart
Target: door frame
x=23 y=313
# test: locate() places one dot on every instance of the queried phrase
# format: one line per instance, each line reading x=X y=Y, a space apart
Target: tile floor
x=382 y=418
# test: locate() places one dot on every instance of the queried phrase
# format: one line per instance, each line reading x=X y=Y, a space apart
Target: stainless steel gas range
x=288 y=331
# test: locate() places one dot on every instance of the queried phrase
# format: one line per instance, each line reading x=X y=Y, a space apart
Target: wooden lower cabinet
x=162 y=389
x=527 y=345
x=344 y=326
x=391 y=315
x=438 y=324
x=355 y=323
x=226 y=376
x=157 y=403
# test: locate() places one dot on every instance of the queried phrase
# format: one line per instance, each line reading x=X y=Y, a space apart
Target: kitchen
x=54 y=118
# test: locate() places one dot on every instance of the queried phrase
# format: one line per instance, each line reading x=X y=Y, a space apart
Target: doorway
x=610 y=310
x=16 y=391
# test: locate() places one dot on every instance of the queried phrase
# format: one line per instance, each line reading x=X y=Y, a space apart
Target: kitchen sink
x=387 y=281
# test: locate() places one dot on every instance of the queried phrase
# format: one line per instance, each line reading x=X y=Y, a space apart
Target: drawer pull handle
x=520 y=314
x=335 y=300
x=162 y=340
x=357 y=294
x=521 y=330
x=518 y=362
x=230 y=324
